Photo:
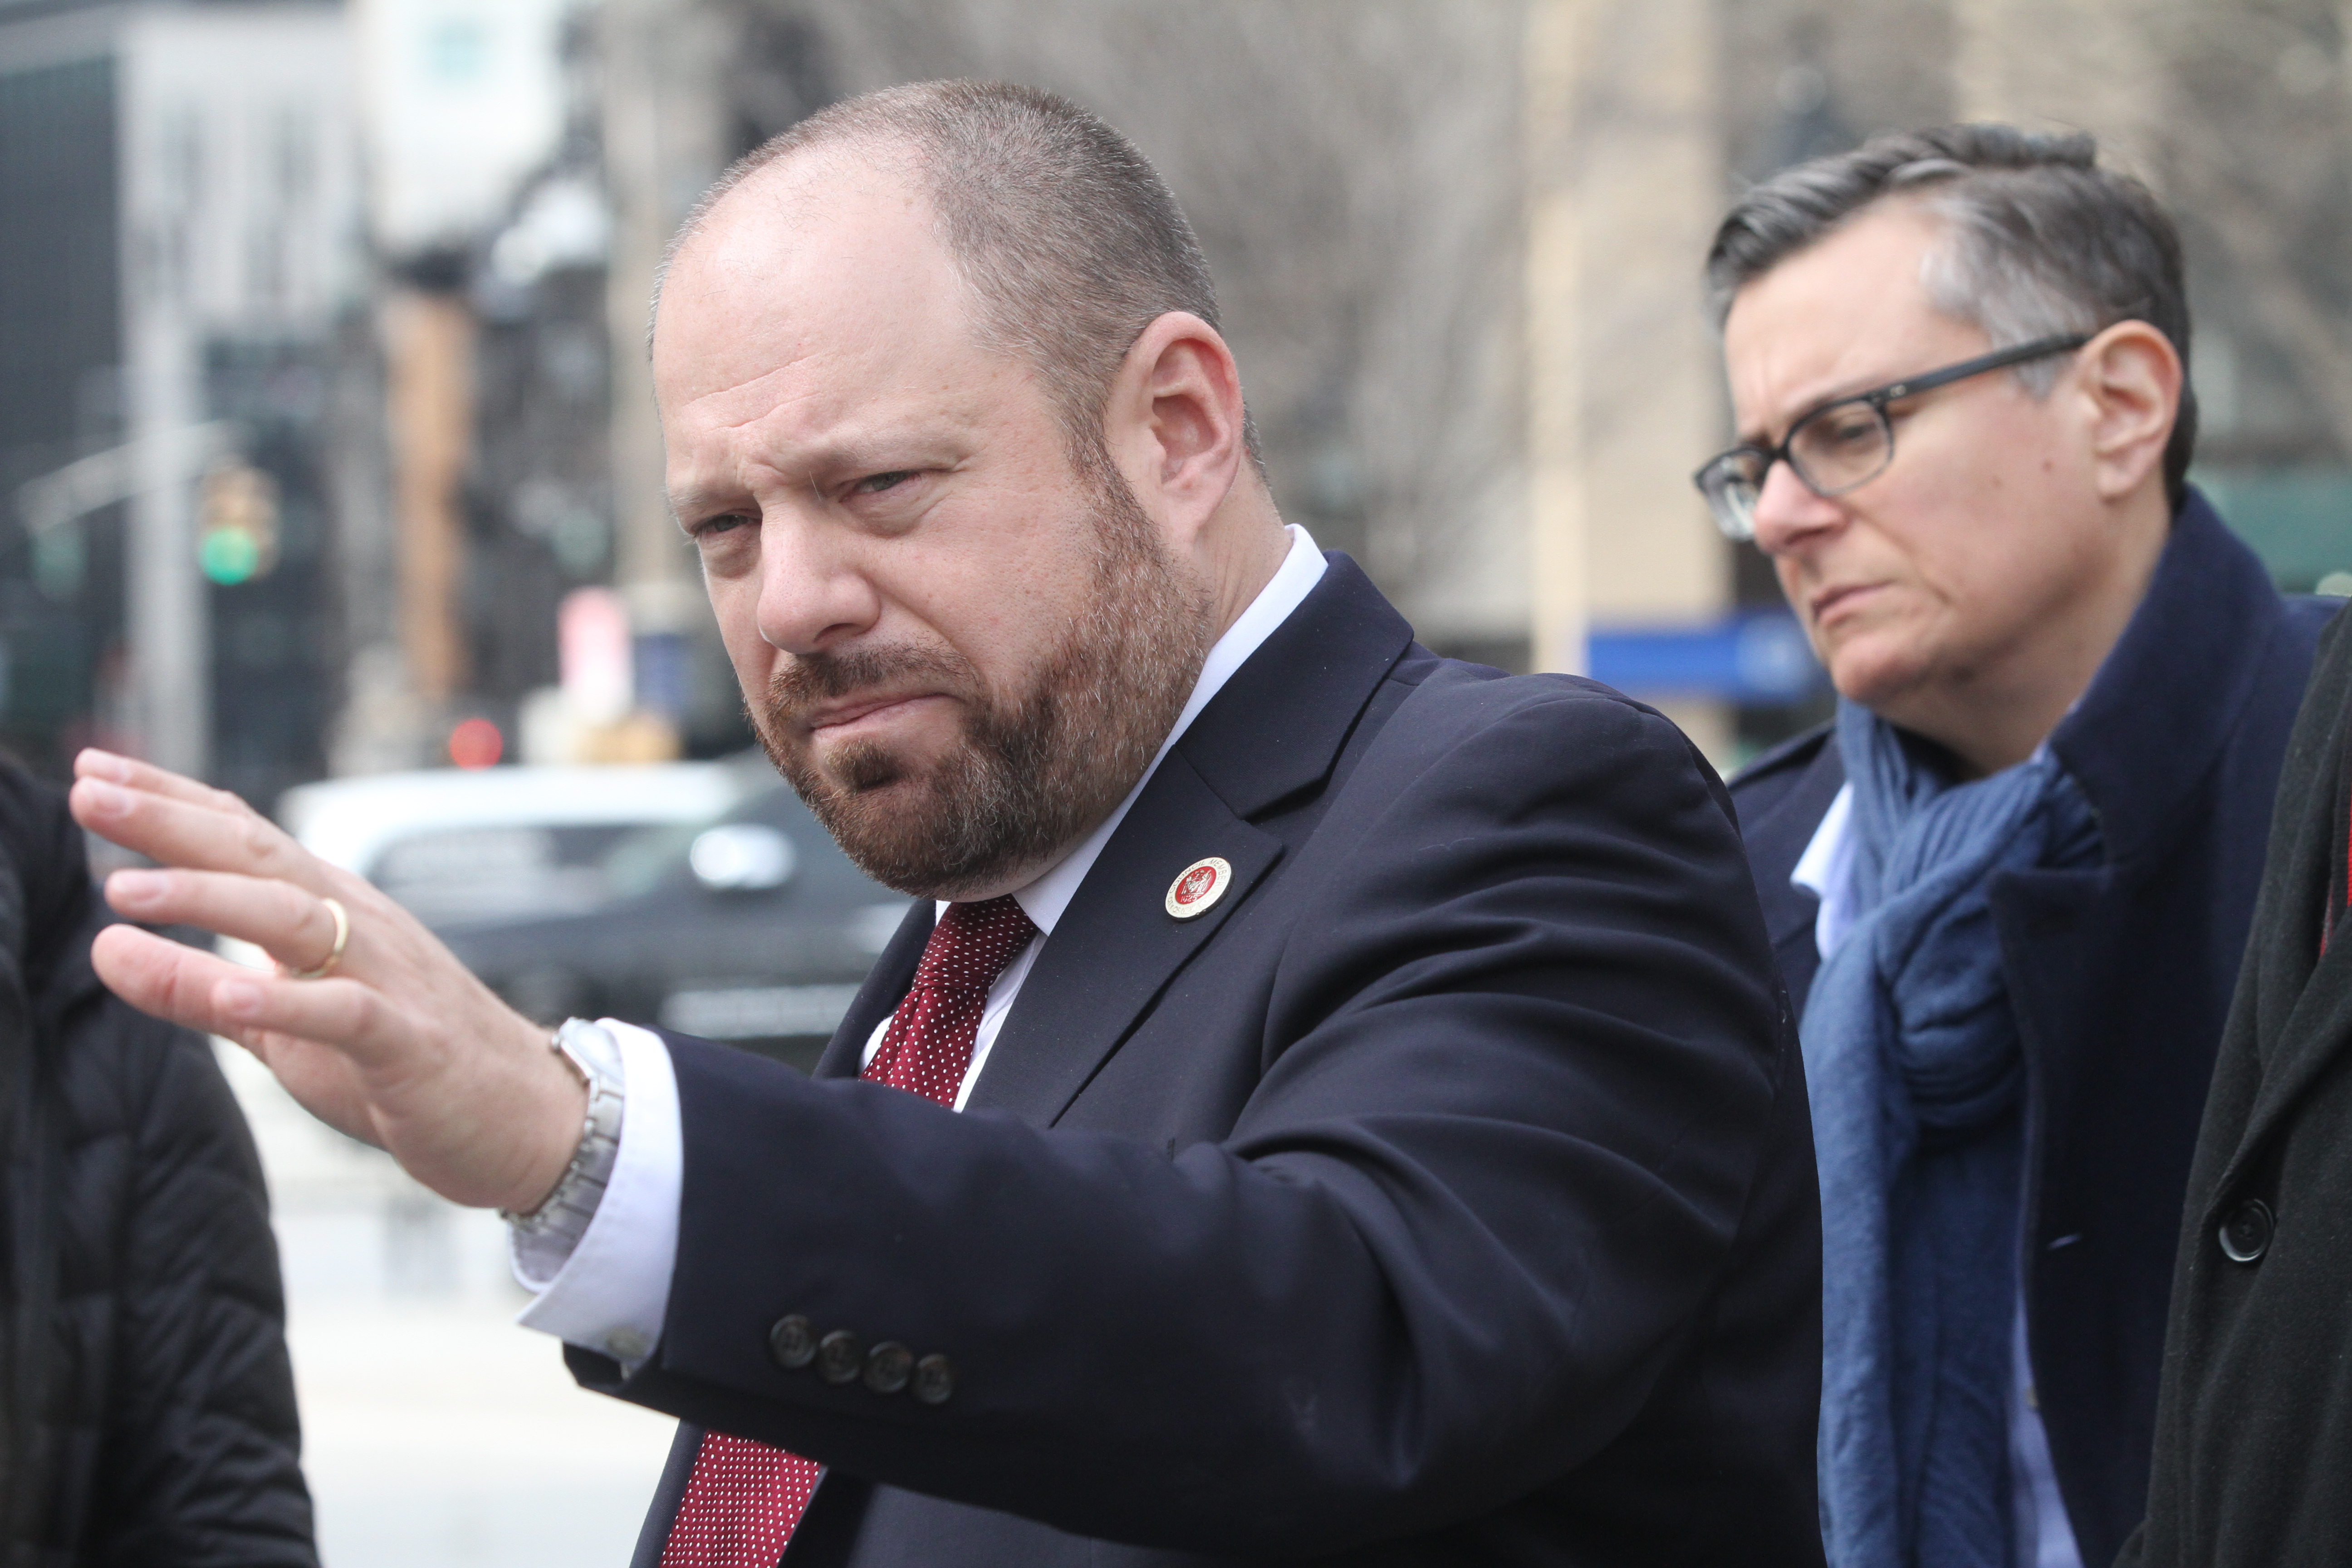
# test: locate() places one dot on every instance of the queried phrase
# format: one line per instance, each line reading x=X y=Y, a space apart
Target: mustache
x=813 y=679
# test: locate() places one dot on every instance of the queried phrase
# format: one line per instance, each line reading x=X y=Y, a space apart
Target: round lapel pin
x=1198 y=885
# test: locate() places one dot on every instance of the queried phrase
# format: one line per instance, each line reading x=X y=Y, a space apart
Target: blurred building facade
x=323 y=324
x=1459 y=249
x=490 y=229
x=179 y=237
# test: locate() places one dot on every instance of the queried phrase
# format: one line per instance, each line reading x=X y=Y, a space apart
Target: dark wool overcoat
x=2253 y=1428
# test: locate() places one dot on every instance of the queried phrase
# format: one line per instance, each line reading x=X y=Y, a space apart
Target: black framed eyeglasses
x=1844 y=444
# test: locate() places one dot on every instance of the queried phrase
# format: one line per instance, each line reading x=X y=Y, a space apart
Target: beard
x=1034 y=770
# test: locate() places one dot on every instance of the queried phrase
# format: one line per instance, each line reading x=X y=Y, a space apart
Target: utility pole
x=1624 y=163
x=168 y=624
x=665 y=142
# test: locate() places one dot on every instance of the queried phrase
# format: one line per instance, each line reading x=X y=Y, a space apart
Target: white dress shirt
x=2046 y=1537
x=611 y=1294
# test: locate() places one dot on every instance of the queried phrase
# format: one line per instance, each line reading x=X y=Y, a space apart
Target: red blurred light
x=475 y=743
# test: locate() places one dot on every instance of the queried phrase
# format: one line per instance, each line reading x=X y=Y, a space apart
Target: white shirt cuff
x=612 y=1294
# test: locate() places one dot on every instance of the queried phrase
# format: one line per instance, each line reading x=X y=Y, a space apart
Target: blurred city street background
x=329 y=469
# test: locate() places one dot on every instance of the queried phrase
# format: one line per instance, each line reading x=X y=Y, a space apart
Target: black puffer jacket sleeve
x=166 y=1421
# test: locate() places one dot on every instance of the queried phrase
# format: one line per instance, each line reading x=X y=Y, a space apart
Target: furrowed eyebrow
x=852 y=457
x=1761 y=439
x=691 y=506
x=859 y=458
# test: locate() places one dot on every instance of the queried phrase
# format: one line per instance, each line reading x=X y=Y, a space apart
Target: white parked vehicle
x=458 y=846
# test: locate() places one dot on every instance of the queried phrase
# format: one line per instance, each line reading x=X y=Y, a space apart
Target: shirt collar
x=1826 y=871
x=1043 y=899
x=1826 y=867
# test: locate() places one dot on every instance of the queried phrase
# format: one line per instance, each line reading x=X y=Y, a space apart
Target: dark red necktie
x=743 y=1498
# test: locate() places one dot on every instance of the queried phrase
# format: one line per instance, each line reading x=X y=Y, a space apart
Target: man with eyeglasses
x=2009 y=884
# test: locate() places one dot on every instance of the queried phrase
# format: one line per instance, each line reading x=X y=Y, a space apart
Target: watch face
x=593 y=1048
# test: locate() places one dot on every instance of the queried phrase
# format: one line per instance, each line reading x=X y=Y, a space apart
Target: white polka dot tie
x=743 y=1498
x=929 y=1045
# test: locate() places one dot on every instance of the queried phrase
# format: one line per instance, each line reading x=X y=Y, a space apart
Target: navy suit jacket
x=2120 y=974
x=1443 y=1194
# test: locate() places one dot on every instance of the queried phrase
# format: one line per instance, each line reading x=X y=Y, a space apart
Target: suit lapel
x=2316 y=1034
x=1117 y=946
x=2295 y=1001
x=885 y=983
x=2316 y=1028
x=1776 y=841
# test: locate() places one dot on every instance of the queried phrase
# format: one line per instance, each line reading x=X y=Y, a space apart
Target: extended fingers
x=220 y=834
x=112 y=767
x=291 y=924
x=205 y=992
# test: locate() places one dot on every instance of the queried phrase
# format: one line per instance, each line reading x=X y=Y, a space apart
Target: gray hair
x=1068 y=238
x=2040 y=242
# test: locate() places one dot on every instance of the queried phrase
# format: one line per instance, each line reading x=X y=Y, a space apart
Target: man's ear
x=1174 y=421
x=2132 y=375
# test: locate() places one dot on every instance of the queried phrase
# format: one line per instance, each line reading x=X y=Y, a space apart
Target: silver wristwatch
x=594 y=1058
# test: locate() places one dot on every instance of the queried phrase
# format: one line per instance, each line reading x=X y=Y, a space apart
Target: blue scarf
x=1917 y=1085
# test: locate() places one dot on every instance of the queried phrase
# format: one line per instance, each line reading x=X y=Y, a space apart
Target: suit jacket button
x=792 y=1342
x=934 y=1379
x=838 y=1356
x=2245 y=1234
x=888 y=1367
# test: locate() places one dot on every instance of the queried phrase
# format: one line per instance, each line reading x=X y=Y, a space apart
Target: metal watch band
x=595 y=1057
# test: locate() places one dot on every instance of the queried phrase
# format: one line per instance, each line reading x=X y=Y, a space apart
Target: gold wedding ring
x=326 y=966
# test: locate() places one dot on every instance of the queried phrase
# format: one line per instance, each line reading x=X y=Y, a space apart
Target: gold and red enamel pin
x=1198 y=885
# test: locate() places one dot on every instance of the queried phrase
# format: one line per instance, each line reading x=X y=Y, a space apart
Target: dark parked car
x=753 y=928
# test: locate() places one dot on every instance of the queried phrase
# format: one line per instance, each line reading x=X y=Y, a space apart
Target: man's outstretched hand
x=399 y=1045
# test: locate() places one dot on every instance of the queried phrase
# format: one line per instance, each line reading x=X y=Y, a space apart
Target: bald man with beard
x=1325 y=1099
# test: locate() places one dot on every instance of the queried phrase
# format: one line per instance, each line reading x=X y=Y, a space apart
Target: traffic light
x=237 y=538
